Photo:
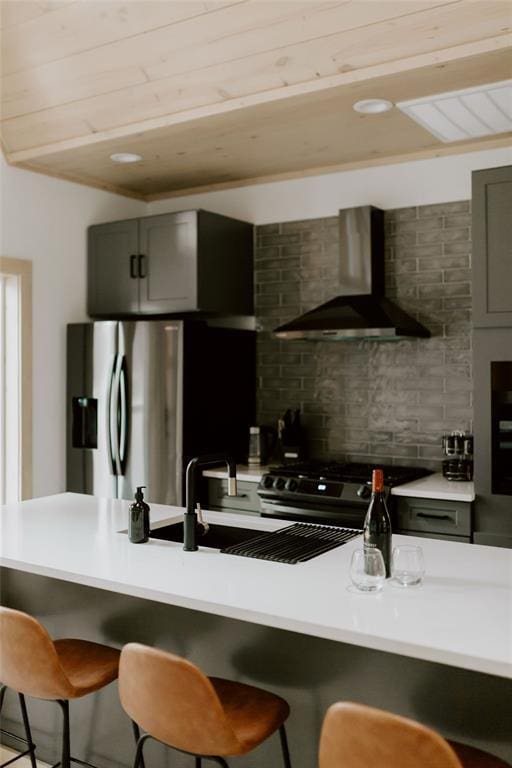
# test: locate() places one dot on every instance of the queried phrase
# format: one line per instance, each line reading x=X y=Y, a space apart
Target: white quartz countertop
x=461 y=615
x=437 y=487
x=431 y=487
x=243 y=472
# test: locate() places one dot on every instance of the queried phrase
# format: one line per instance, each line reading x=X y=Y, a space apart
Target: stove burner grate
x=352 y=472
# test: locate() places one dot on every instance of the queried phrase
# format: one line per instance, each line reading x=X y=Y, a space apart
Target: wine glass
x=408 y=565
x=367 y=570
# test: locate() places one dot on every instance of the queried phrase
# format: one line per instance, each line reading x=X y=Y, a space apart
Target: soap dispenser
x=138 y=523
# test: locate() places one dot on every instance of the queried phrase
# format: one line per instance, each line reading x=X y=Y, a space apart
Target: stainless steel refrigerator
x=144 y=397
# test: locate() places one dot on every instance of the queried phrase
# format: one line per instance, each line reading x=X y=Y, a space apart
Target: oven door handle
x=343 y=516
x=288 y=504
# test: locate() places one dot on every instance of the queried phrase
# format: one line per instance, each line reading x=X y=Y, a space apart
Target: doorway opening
x=15 y=380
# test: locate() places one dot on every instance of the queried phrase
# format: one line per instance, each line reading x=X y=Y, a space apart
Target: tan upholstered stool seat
x=177 y=704
x=88 y=666
x=253 y=714
x=33 y=664
x=471 y=757
x=355 y=736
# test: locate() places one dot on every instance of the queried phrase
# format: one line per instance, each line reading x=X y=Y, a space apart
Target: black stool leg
x=284 y=747
x=66 y=750
x=198 y=762
x=28 y=734
x=138 y=751
x=136 y=733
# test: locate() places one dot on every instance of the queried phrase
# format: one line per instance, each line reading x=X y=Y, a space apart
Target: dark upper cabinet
x=112 y=252
x=168 y=266
x=492 y=248
x=191 y=261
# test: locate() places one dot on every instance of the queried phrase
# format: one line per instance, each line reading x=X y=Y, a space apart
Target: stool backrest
x=28 y=660
x=170 y=698
x=354 y=736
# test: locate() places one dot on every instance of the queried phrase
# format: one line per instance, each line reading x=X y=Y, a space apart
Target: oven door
x=346 y=516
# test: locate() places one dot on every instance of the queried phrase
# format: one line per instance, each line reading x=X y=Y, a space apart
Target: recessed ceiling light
x=125 y=157
x=485 y=110
x=373 y=106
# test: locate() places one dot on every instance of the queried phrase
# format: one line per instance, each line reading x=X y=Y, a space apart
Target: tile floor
x=24 y=762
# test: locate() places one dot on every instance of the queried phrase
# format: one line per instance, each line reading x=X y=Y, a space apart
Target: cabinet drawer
x=433 y=516
x=441 y=536
x=247 y=500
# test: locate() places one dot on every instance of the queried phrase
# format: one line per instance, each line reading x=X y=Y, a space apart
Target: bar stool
x=32 y=664
x=355 y=736
x=206 y=717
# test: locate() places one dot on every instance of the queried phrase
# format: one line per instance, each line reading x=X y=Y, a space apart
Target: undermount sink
x=217 y=537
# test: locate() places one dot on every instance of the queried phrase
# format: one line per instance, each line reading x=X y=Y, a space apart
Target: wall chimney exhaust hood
x=361 y=311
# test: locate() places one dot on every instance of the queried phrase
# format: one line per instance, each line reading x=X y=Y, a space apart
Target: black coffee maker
x=458 y=448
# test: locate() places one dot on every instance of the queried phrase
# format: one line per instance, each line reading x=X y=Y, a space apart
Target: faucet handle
x=201 y=519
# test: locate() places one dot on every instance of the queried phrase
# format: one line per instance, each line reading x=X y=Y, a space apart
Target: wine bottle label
x=377 y=525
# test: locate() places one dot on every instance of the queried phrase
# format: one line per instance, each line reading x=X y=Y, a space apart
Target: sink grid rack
x=293 y=544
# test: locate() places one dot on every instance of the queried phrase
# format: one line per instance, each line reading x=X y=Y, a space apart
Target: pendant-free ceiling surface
x=233 y=91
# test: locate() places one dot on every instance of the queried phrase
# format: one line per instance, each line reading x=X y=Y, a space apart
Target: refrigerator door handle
x=113 y=417
x=112 y=423
x=122 y=445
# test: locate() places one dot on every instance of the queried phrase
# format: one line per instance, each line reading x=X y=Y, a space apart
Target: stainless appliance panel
x=151 y=439
x=138 y=407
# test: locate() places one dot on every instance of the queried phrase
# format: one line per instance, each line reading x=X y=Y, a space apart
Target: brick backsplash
x=370 y=401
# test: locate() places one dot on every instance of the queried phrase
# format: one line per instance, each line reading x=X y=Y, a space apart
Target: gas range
x=332 y=492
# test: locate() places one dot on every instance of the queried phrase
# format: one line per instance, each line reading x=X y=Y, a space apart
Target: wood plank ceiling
x=229 y=92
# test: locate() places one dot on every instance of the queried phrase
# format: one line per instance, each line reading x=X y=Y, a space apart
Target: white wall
x=422 y=182
x=45 y=220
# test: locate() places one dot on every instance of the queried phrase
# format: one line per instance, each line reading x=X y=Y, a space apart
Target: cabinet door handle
x=142 y=265
x=433 y=517
x=133 y=270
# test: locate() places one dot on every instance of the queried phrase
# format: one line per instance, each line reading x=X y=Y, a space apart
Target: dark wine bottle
x=377 y=524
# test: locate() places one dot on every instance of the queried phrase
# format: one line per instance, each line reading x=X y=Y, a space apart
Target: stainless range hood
x=361 y=311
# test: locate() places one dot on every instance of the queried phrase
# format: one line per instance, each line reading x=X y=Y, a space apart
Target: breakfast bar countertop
x=461 y=615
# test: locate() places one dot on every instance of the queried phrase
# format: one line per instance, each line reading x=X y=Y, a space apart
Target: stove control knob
x=268 y=481
x=292 y=485
x=364 y=492
x=279 y=483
